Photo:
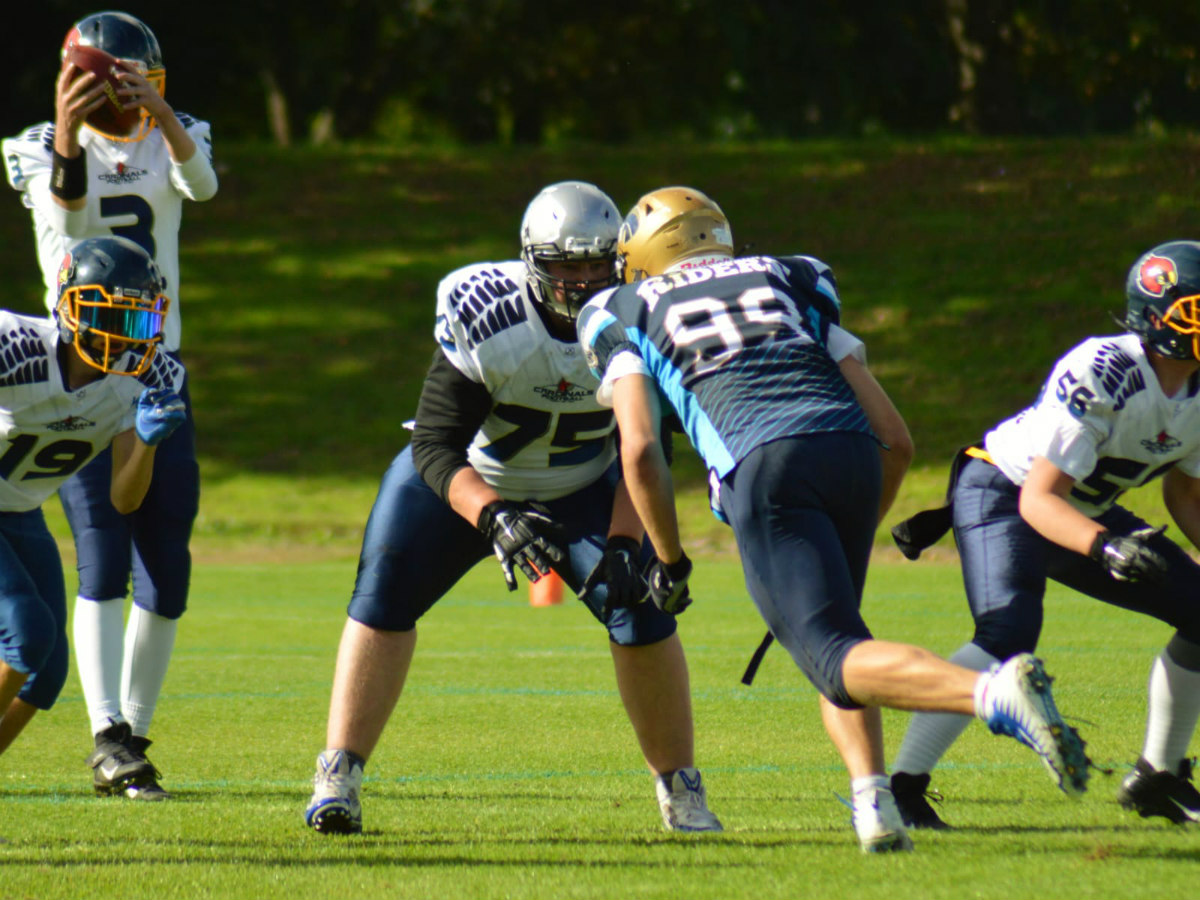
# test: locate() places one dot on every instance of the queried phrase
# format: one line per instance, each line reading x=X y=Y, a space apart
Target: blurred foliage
x=550 y=72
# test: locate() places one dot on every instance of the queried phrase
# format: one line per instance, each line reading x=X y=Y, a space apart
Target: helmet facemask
x=104 y=327
x=1180 y=322
x=571 y=222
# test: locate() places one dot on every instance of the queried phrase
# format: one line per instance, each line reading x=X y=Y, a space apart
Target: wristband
x=68 y=176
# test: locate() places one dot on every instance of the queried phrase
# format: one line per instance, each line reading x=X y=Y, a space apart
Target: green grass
x=968 y=266
x=509 y=769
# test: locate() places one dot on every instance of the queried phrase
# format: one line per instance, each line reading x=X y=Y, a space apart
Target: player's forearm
x=1055 y=519
x=648 y=479
x=469 y=494
x=133 y=469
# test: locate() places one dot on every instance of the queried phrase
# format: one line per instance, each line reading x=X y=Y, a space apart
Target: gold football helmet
x=670 y=226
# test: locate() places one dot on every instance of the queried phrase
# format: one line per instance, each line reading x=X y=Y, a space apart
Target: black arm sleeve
x=450 y=412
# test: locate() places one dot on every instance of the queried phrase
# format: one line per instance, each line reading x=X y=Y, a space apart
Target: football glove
x=1130 y=557
x=159 y=412
x=618 y=569
x=519 y=535
x=667 y=584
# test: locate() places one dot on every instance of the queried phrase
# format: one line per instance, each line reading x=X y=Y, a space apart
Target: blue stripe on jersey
x=705 y=437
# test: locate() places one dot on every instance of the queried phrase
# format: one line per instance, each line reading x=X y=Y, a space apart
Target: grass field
x=968 y=266
x=510 y=770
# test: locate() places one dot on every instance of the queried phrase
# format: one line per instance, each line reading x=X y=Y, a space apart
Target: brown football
x=112 y=117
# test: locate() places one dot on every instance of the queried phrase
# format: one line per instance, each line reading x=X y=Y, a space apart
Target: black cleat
x=912 y=799
x=144 y=786
x=114 y=763
x=1149 y=792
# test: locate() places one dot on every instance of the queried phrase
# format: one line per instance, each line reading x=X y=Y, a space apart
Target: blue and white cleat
x=684 y=802
x=1014 y=699
x=878 y=823
x=335 y=807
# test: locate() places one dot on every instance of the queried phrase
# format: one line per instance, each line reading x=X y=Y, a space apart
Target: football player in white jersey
x=1038 y=499
x=69 y=389
x=507 y=416
x=81 y=180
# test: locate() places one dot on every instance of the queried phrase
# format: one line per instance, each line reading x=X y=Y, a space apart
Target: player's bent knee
x=641 y=626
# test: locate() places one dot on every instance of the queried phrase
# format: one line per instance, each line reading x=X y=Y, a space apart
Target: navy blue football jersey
x=741 y=350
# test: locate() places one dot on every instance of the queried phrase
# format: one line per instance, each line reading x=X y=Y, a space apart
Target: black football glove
x=667 y=584
x=519 y=534
x=618 y=569
x=1130 y=557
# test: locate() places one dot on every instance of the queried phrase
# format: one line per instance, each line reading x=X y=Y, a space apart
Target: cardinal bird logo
x=1157 y=275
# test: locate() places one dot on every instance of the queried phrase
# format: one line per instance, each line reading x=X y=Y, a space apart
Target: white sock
x=1174 y=709
x=930 y=735
x=97 y=629
x=149 y=640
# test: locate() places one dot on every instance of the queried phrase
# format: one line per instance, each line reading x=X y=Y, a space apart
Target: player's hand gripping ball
x=112 y=116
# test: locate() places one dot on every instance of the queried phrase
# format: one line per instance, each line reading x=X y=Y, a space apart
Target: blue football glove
x=159 y=412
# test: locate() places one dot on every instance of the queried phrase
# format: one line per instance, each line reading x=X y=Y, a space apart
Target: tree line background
x=547 y=72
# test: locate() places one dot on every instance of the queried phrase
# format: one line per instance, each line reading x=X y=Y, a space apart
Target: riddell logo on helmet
x=1157 y=274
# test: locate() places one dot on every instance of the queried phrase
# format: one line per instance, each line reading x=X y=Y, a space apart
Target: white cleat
x=335 y=807
x=1014 y=699
x=684 y=802
x=878 y=824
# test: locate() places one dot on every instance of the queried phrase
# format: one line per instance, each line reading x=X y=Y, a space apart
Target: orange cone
x=547 y=590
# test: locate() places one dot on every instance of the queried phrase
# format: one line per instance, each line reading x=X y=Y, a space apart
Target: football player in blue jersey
x=68 y=390
x=86 y=176
x=511 y=456
x=805 y=453
x=1037 y=499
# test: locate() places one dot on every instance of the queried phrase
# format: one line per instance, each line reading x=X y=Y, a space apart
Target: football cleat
x=335 y=807
x=912 y=799
x=878 y=824
x=1151 y=792
x=683 y=802
x=1016 y=701
x=114 y=763
x=144 y=786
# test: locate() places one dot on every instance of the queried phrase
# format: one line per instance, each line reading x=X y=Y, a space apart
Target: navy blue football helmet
x=110 y=303
x=1162 y=299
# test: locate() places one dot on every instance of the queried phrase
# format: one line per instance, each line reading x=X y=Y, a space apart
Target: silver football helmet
x=570 y=221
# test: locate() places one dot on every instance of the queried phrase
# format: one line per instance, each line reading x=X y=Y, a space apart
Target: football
x=112 y=117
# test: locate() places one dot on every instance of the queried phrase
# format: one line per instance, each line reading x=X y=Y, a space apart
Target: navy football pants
x=33 y=606
x=152 y=541
x=1006 y=563
x=416 y=548
x=804 y=511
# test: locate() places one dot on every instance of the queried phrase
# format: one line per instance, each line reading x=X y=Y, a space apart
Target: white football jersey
x=133 y=190
x=1103 y=419
x=48 y=433
x=546 y=435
